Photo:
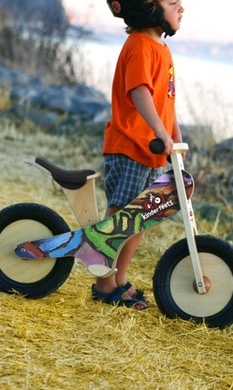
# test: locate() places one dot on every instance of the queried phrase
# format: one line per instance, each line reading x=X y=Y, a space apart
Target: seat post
x=83 y=201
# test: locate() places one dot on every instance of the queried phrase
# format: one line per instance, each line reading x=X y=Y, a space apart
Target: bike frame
x=80 y=199
x=188 y=215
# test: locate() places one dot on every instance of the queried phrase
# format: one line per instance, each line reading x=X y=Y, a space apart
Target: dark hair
x=130 y=30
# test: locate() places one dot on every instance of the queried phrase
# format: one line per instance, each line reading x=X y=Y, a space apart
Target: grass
x=67 y=341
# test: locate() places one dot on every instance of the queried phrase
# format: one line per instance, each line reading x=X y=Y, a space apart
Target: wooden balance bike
x=193 y=279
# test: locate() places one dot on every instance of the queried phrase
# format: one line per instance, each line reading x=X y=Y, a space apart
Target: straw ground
x=67 y=341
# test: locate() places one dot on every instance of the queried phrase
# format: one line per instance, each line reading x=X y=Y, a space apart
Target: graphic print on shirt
x=171 y=85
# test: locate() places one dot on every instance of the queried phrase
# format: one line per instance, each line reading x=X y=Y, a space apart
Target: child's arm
x=143 y=102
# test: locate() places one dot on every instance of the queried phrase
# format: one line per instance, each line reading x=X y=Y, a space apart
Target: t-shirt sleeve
x=138 y=66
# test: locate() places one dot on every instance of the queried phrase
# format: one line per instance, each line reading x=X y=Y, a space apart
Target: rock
x=42 y=119
x=209 y=212
x=198 y=137
x=223 y=151
x=55 y=108
x=47 y=13
x=212 y=212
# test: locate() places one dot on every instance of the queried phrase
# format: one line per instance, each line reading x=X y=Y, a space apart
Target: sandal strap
x=127 y=286
x=139 y=293
x=116 y=296
x=113 y=296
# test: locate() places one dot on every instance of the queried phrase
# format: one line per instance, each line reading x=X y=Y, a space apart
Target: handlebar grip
x=156 y=146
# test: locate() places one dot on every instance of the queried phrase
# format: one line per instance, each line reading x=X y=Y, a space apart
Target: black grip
x=156 y=146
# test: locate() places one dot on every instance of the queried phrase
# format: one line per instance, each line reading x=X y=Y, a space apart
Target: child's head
x=141 y=14
x=172 y=11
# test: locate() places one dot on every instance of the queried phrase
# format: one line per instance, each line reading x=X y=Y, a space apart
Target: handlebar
x=156 y=146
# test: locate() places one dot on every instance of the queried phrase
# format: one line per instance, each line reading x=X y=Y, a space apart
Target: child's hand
x=168 y=144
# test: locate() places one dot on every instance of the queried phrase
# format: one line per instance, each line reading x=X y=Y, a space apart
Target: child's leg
x=124 y=180
x=124 y=259
x=126 y=253
x=123 y=262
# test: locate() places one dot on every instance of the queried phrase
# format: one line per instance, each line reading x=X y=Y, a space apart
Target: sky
x=209 y=20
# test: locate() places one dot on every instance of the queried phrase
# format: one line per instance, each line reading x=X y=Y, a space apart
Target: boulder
x=55 y=108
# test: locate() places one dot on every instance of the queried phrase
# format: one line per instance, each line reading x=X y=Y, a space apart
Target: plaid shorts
x=125 y=179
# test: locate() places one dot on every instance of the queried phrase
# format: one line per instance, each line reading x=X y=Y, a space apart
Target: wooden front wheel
x=174 y=287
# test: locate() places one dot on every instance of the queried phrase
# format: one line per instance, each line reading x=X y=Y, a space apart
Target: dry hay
x=67 y=341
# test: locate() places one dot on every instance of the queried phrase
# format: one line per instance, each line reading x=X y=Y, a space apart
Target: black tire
x=173 y=283
x=31 y=278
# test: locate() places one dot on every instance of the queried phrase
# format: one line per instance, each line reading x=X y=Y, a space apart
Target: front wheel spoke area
x=174 y=285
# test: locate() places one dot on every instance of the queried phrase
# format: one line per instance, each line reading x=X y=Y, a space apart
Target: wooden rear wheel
x=31 y=278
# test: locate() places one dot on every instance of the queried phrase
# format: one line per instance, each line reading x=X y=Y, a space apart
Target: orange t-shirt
x=141 y=61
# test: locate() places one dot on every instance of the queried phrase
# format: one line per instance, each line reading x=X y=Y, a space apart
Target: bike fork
x=188 y=219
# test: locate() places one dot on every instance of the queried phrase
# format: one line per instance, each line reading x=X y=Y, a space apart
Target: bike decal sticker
x=156 y=206
x=57 y=246
x=100 y=243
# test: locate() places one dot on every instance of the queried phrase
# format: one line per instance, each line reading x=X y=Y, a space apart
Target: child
x=143 y=107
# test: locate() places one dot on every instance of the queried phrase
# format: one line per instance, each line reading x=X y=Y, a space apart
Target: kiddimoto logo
x=156 y=205
x=116 y=7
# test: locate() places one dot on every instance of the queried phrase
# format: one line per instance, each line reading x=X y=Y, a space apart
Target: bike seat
x=70 y=179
